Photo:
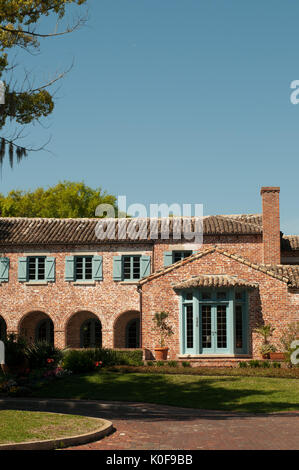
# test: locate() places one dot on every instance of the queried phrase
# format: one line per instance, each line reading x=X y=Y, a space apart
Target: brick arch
x=28 y=324
x=3 y=328
x=120 y=327
x=73 y=327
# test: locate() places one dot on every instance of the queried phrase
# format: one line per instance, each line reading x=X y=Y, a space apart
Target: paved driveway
x=140 y=426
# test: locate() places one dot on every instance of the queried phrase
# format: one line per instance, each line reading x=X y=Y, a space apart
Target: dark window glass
x=239 y=327
x=221 y=326
x=189 y=325
x=179 y=255
x=206 y=296
x=83 y=268
x=133 y=332
x=206 y=326
x=189 y=296
x=91 y=334
x=36 y=268
x=221 y=295
x=131 y=267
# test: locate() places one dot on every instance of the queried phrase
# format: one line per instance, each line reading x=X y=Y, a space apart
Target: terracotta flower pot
x=277 y=355
x=161 y=354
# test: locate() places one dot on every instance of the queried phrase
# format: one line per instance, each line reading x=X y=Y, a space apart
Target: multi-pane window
x=83 y=268
x=179 y=255
x=131 y=267
x=214 y=321
x=36 y=268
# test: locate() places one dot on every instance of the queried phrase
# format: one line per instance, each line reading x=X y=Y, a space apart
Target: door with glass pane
x=214 y=329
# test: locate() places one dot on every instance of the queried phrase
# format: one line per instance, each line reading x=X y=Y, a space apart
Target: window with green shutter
x=174 y=256
x=4 y=269
x=84 y=268
x=131 y=267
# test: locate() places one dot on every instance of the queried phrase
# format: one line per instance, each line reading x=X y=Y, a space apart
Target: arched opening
x=2 y=329
x=37 y=326
x=84 y=330
x=45 y=331
x=91 y=334
x=127 y=330
x=133 y=333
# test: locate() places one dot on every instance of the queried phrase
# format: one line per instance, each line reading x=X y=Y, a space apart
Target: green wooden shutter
x=145 y=266
x=4 y=269
x=69 y=268
x=22 y=269
x=117 y=268
x=97 y=268
x=50 y=269
x=168 y=258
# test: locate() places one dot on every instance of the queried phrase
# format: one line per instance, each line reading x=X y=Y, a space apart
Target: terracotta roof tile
x=70 y=231
x=214 y=280
x=287 y=274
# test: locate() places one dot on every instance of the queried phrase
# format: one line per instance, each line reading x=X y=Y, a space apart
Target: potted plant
x=266 y=348
x=15 y=355
x=164 y=330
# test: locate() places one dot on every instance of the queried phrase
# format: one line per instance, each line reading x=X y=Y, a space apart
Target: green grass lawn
x=22 y=426
x=247 y=394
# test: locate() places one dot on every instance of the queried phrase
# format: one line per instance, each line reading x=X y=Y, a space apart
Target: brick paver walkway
x=140 y=426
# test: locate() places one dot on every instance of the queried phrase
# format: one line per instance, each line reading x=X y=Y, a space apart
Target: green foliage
x=160 y=363
x=254 y=363
x=290 y=333
x=15 y=350
x=186 y=364
x=38 y=354
x=265 y=364
x=150 y=363
x=65 y=200
x=265 y=331
x=172 y=363
x=83 y=360
x=276 y=365
x=19 y=28
x=267 y=349
x=161 y=327
x=243 y=364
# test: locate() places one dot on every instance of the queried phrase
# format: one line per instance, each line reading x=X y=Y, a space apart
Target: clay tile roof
x=214 y=280
x=285 y=273
x=290 y=243
x=291 y=272
x=34 y=231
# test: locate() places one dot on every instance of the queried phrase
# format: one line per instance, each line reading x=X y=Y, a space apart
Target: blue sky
x=183 y=101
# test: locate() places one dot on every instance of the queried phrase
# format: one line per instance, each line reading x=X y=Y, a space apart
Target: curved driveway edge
x=67 y=441
x=144 y=426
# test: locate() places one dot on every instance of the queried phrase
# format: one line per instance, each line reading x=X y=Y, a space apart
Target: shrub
x=84 y=360
x=276 y=365
x=78 y=361
x=290 y=333
x=42 y=354
x=15 y=350
x=150 y=363
x=186 y=364
x=243 y=364
x=265 y=364
x=254 y=363
x=160 y=363
x=172 y=363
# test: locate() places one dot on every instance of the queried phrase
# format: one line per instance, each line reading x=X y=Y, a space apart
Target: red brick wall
x=271 y=225
x=271 y=303
x=62 y=300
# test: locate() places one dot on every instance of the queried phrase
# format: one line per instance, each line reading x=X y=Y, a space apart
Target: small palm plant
x=161 y=326
x=266 y=331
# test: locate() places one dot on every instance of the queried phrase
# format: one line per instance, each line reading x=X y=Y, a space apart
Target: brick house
x=60 y=283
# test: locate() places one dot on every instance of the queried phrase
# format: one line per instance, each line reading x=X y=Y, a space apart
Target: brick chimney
x=271 y=225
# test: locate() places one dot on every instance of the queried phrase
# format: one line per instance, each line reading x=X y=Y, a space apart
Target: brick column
x=271 y=225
